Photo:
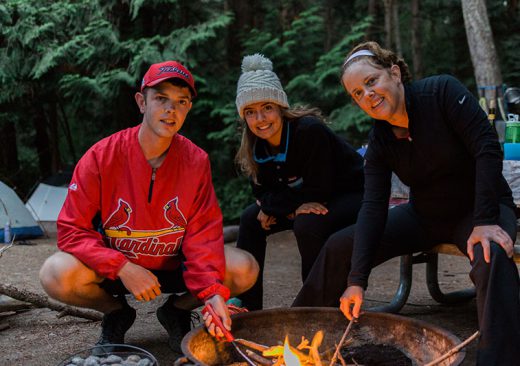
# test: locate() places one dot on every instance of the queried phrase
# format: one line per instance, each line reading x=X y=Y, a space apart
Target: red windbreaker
x=148 y=216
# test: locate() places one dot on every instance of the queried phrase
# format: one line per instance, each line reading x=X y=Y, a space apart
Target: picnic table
x=511 y=172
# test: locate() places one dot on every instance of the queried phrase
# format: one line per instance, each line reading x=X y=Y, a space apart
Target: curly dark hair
x=382 y=59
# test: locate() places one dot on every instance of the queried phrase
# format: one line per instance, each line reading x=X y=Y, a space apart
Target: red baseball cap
x=168 y=70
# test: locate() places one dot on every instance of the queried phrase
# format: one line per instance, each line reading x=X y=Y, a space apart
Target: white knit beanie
x=258 y=83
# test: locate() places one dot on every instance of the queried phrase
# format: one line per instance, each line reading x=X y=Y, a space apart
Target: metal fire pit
x=420 y=341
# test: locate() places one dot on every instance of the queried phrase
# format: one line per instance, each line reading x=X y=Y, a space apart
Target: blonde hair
x=244 y=157
x=381 y=59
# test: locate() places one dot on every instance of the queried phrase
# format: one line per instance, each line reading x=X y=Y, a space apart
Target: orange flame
x=290 y=358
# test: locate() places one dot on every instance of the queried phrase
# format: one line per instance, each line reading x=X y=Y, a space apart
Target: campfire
x=306 y=353
x=311 y=338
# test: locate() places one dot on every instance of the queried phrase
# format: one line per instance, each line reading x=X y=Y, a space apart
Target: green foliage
x=234 y=196
x=312 y=73
x=78 y=63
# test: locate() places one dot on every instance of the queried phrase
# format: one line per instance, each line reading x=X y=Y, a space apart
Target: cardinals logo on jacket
x=136 y=243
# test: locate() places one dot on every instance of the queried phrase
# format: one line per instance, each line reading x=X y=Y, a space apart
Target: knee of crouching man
x=241 y=272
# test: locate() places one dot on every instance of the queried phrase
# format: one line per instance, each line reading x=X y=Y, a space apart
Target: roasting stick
x=251 y=344
x=454 y=350
x=215 y=319
x=333 y=361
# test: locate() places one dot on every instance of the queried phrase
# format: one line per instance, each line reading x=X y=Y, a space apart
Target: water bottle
x=512 y=141
x=7 y=232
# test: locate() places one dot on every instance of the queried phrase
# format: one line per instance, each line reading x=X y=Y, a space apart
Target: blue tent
x=14 y=212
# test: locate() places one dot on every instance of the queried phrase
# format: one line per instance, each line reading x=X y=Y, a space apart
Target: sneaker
x=177 y=323
x=235 y=301
x=114 y=326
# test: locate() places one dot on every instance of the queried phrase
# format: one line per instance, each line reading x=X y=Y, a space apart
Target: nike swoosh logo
x=462 y=100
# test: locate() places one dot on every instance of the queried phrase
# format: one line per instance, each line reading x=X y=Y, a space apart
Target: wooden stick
x=45 y=302
x=15 y=306
x=6 y=246
x=342 y=360
x=256 y=346
x=257 y=358
x=454 y=350
x=333 y=361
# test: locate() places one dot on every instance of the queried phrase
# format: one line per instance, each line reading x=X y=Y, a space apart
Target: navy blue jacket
x=313 y=165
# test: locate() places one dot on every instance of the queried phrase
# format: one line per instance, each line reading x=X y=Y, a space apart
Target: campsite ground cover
x=38 y=337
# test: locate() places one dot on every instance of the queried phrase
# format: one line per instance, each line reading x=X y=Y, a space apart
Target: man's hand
x=353 y=295
x=484 y=235
x=265 y=220
x=140 y=282
x=311 y=207
x=219 y=306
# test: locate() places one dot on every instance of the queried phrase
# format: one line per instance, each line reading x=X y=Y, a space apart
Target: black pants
x=497 y=283
x=311 y=232
x=170 y=281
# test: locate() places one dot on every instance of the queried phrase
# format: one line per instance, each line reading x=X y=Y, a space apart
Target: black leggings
x=311 y=232
x=497 y=283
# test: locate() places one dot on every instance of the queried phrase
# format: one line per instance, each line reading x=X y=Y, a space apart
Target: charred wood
x=259 y=359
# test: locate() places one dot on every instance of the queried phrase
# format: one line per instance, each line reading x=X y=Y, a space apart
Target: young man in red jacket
x=160 y=228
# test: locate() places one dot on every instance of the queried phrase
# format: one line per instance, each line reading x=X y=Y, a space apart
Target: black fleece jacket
x=452 y=163
x=314 y=165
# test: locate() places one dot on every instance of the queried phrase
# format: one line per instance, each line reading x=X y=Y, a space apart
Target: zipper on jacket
x=150 y=190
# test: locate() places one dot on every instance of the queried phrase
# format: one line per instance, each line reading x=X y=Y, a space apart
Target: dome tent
x=14 y=212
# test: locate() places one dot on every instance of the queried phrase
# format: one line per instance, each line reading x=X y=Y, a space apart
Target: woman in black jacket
x=304 y=177
x=435 y=137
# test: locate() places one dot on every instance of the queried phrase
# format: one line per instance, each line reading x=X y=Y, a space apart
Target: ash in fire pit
x=375 y=355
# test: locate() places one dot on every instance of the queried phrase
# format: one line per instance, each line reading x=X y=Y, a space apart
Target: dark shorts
x=171 y=282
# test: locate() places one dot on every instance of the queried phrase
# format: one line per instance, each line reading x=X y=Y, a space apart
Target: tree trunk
x=482 y=48
x=372 y=11
x=243 y=21
x=68 y=135
x=416 y=40
x=329 y=26
x=54 y=140
x=388 y=23
x=8 y=152
x=42 y=142
x=511 y=7
x=395 y=28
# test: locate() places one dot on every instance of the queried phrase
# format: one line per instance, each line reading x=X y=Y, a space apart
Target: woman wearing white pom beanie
x=304 y=177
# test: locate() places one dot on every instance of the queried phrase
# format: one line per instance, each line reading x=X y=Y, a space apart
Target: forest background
x=69 y=69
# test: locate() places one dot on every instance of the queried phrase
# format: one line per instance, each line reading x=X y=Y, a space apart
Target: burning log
x=45 y=302
x=277 y=351
x=278 y=355
x=259 y=359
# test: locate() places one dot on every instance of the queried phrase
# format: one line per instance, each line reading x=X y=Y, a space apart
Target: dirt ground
x=38 y=337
